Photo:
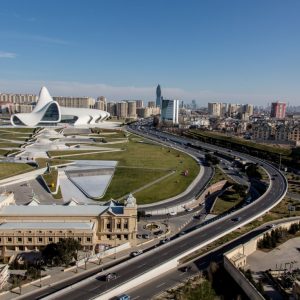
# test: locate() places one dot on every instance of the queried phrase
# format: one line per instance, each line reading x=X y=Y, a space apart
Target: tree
x=62 y=252
x=155 y=121
x=211 y=159
x=252 y=171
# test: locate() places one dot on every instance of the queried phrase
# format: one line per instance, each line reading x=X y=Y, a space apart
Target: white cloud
x=7 y=54
x=115 y=93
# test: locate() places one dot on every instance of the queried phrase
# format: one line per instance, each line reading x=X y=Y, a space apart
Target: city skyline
x=208 y=51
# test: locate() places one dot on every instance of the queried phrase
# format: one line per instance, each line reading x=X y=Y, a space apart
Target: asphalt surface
x=152 y=259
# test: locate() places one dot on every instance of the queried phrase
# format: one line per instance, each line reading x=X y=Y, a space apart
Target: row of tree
x=270 y=240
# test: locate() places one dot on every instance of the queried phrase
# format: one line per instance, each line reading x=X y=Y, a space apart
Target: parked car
x=110 y=276
x=271 y=226
x=188 y=209
x=139 y=236
x=136 y=253
x=146 y=236
x=164 y=241
x=236 y=219
x=172 y=213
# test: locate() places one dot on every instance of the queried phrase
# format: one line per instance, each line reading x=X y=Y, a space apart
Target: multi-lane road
x=182 y=245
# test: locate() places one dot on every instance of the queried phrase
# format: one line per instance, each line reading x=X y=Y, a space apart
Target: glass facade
x=17 y=121
x=51 y=114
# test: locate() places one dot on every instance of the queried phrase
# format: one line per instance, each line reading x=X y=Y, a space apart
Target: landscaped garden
x=11 y=169
x=151 y=171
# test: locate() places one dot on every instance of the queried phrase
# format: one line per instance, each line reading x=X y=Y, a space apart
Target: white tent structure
x=48 y=112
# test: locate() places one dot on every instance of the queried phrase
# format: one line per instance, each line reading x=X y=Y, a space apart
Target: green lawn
x=226 y=201
x=141 y=156
x=126 y=180
x=53 y=162
x=9 y=145
x=18 y=130
x=11 y=169
x=73 y=152
x=170 y=186
x=100 y=145
x=3 y=152
x=219 y=176
x=17 y=137
x=51 y=179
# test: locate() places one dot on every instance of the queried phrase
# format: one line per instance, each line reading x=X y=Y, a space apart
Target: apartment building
x=18 y=98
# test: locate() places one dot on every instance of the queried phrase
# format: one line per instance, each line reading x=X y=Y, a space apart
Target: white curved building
x=48 y=112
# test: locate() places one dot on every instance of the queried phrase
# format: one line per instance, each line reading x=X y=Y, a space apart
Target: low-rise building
x=33 y=226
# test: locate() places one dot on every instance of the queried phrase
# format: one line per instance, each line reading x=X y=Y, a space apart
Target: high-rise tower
x=158 y=96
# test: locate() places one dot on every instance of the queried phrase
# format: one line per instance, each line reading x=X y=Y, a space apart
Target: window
x=118 y=236
x=88 y=239
x=119 y=226
x=108 y=236
x=19 y=240
x=79 y=239
x=60 y=239
x=17 y=121
x=51 y=114
x=29 y=239
x=108 y=225
x=126 y=225
x=126 y=236
x=50 y=239
x=40 y=240
x=0 y=240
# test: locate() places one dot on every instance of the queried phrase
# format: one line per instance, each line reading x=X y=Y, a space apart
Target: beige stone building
x=131 y=109
x=18 y=98
x=33 y=226
x=79 y=102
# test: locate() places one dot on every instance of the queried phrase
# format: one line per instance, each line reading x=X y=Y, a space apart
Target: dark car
x=110 y=276
x=123 y=297
x=236 y=219
x=164 y=241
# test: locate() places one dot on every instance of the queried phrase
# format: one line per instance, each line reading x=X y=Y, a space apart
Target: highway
x=213 y=230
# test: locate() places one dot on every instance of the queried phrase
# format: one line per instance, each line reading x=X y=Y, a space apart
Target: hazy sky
x=213 y=50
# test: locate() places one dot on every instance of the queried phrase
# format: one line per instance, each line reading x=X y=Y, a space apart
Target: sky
x=242 y=51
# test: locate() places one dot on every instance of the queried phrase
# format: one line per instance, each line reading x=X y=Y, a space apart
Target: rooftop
x=53 y=210
x=46 y=225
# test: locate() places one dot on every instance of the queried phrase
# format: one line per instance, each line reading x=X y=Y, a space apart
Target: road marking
x=160 y=285
x=93 y=289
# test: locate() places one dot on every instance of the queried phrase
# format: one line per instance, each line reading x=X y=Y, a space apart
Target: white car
x=172 y=213
x=136 y=253
x=188 y=209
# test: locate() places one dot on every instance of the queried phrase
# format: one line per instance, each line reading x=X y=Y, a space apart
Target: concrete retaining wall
x=247 y=249
x=242 y=281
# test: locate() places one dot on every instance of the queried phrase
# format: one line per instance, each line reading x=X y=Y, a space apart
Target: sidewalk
x=58 y=276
